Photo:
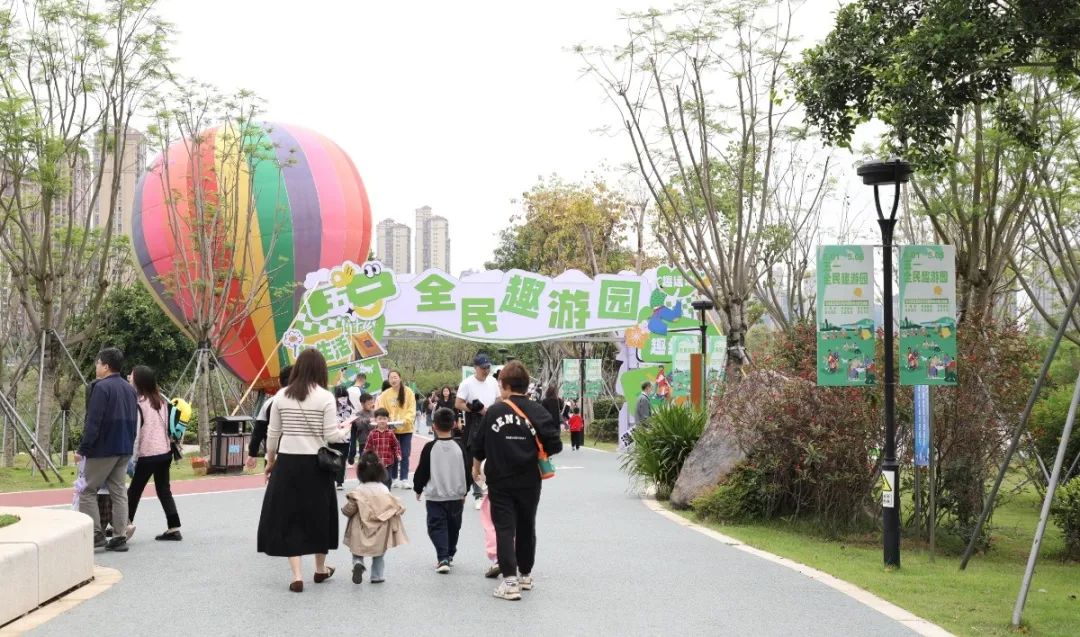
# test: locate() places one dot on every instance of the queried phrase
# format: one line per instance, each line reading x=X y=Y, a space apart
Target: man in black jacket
x=506 y=438
x=262 y=421
x=107 y=444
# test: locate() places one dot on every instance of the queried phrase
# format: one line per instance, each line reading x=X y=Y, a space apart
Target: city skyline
x=407 y=249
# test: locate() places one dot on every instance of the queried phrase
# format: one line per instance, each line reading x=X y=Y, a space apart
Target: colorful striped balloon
x=310 y=211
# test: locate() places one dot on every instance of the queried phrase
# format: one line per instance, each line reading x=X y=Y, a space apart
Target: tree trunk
x=47 y=396
x=202 y=401
x=735 y=312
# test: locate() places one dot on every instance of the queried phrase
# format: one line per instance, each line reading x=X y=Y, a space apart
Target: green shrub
x=1047 y=422
x=1066 y=512
x=746 y=494
x=607 y=408
x=604 y=430
x=658 y=450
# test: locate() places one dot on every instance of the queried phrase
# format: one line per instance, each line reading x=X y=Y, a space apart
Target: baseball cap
x=481 y=360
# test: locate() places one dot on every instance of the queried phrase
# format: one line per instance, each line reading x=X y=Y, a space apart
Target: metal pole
x=1059 y=459
x=932 y=521
x=704 y=360
x=63 y=438
x=1020 y=428
x=890 y=514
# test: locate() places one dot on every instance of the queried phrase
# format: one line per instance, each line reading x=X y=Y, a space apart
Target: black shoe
x=357 y=573
x=99 y=543
x=169 y=536
x=117 y=544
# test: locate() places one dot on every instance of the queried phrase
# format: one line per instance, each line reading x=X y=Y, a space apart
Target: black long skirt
x=299 y=511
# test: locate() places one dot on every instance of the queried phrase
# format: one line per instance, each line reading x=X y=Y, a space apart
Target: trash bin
x=229 y=442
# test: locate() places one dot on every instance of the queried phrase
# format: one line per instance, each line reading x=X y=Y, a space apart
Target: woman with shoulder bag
x=510 y=439
x=154 y=453
x=299 y=511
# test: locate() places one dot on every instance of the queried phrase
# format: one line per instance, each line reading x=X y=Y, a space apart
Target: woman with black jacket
x=553 y=403
x=506 y=439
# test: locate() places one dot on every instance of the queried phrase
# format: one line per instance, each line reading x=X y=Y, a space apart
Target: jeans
x=444 y=526
x=377 y=565
x=513 y=512
x=110 y=471
x=402 y=473
x=158 y=467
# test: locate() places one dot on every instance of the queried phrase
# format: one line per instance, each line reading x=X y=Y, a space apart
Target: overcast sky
x=456 y=105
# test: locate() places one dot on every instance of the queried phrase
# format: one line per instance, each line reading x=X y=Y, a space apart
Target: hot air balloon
x=308 y=210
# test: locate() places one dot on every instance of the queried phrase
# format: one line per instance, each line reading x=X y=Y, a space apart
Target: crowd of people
x=490 y=439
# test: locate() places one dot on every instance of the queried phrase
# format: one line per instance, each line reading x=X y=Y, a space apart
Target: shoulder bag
x=329 y=460
x=547 y=467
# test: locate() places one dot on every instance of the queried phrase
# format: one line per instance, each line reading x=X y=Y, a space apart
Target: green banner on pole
x=571 y=378
x=845 y=320
x=594 y=378
x=927 y=315
x=682 y=346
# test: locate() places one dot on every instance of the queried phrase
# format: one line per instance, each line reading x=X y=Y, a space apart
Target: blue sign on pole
x=922 y=425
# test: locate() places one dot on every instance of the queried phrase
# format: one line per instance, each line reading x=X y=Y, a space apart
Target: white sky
x=456 y=105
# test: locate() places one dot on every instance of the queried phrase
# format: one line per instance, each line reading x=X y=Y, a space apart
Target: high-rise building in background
x=432 y=241
x=392 y=245
x=131 y=170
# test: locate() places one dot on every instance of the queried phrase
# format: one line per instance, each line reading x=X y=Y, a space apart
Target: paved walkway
x=606 y=565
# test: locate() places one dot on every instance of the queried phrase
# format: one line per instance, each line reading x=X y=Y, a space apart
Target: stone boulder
x=719 y=450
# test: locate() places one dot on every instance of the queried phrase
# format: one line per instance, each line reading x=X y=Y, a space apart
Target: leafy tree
x=918 y=64
x=72 y=76
x=699 y=90
x=135 y=323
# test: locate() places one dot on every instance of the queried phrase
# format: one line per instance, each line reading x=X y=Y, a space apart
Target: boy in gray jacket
x=443 y=477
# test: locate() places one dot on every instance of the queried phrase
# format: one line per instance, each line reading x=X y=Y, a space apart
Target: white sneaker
x=406 y=484
x=525 y=582
x=493 y=571
x=396 y=484
x=508 y=590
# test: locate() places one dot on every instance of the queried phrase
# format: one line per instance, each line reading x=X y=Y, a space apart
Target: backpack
x=179 y=415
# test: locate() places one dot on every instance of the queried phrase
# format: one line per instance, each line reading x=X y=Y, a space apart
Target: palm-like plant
x=659 y=446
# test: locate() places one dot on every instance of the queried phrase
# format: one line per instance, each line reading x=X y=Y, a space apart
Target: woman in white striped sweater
x=299 y=512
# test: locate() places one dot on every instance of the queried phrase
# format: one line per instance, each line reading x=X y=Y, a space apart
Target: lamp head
x=703 y=305
x=883 y=173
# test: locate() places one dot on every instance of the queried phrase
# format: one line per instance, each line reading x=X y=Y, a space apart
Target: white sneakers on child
x=525 y=582
x=508 y=589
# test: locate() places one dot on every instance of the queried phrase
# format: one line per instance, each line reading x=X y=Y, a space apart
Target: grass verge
x=18 y=477
x=977 y=601
x=611 y=447
x=6 y=519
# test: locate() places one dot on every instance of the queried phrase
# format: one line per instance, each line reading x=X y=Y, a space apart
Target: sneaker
x=340 y=487
x=443 y=567
x=479 y=504
x=396 y=484
x=493 y=571
x=99 y=543
x=508 y=590
x=406 y=484
x=169 y=536
x=357 y=573
x=129 y=531
x=118 y=544
x=525 y=582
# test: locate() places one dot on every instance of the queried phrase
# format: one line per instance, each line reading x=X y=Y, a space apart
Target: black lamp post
x=703 y=306
x=884 y=173
x=503 y=352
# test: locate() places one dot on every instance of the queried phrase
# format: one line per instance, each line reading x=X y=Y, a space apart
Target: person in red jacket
x=577 y=429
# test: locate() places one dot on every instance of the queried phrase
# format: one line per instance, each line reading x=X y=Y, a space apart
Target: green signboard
x=594 y=378
x=927 y=315
x=845 y=320
x=571 y=378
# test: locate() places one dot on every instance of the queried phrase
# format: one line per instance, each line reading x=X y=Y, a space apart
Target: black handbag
x=330 y=460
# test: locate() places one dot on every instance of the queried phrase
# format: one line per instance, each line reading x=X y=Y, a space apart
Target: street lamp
x=883 y=173
x=503 y=352
x=703 y=306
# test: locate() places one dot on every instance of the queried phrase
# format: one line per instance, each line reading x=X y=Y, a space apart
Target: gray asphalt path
x=606 y=565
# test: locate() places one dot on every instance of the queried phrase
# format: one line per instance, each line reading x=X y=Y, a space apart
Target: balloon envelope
x=294 y=203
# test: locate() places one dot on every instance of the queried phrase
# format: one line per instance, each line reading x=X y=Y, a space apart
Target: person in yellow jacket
x=400 y=401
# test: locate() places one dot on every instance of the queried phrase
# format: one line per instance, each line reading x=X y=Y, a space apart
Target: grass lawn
x=977 y=601
x=8 y=519
x=18 y=478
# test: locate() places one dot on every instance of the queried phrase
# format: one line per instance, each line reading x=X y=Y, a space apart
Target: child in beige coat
x=374 y=514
